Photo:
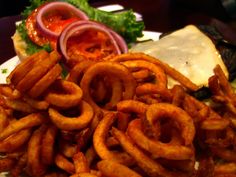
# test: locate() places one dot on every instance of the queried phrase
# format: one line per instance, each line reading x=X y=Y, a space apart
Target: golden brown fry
x=3 y=119
x=109 y=68
x=37 y=72
x=64 y=94
x=15 y=141
x=47 y=146
x=26 y=122
x=19 y=105
x=78 y=70
x=160 y=76
x=158 y=111
x=155 y=147
x=99 y=142
x=73 y=123
x=168 y=69
x=20 y=165
x=24 y=67
x=80 y=163
x=114 y=169
x=151 y=167
x=132 y=106
x=64 y=164
x=41 y=86
x=34 y=164
x=37 y=104
x=8 y=91
x=6 y=164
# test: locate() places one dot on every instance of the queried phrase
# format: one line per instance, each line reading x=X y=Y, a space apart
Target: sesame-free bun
x=19 y=46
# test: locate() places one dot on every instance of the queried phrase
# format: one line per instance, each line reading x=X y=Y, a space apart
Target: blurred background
x=170 y=14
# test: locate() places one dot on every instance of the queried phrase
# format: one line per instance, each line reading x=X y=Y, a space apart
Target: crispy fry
x=168 y=69
x=64 y=94
x=29 y=121
x=110 y=68
x=47 y=146
x=80 y=162
x=6 y=164
x=114 y=169
x=37 y=72
x=67 y=123
x=151 y=167
x=34 y=164
x=64 y=164
x=157 y=148
x=164 y=110
x=15 y=141
x=41 y=86
x=99 y=142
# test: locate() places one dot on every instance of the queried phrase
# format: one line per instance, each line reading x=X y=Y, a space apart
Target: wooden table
x=158 y=15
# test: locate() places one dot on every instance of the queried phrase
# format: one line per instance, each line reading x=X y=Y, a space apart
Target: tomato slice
x=55 y=21
x=32 y=30
x=91 y=44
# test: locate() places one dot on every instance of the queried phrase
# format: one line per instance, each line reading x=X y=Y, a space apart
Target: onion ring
x=59 y=7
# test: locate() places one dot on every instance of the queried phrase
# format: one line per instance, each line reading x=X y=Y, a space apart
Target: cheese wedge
x=189 y=51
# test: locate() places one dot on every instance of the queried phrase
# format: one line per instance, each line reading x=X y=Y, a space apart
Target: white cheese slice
x=187 y=50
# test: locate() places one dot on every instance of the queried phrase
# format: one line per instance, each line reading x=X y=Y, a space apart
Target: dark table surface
x=158 y=15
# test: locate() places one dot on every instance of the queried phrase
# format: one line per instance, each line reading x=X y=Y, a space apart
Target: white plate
x=10 y=64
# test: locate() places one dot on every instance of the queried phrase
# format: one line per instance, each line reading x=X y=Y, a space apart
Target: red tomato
x=53 y=21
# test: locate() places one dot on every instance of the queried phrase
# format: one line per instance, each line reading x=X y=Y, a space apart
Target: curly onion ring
x=99 y=142
x=165 y=110
x=109 y=68
x=72 y=96
x=157 y=148
x=69 y=123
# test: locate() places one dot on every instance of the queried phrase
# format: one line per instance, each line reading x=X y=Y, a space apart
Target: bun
x=19 y=46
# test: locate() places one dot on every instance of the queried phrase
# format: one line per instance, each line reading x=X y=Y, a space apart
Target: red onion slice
x=79 y=27
x=63 y=7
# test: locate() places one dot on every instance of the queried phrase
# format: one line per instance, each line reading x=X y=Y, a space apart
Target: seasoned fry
x=70 y=123
x=47 y=145
x=34 y=164
x=29 y=121
x=67 y=94
x=64 y=164
x=114 y=169
x=99 y=142
x=157 y=148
